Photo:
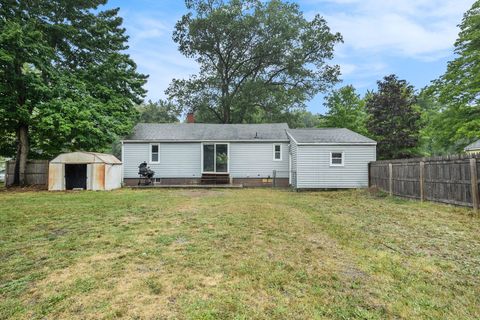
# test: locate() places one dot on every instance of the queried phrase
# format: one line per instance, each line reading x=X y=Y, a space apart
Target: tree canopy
x=160 y=111
x=259 y=60
x=66 y=82
x=345 y=109
x=457 y=92
x=393 y=118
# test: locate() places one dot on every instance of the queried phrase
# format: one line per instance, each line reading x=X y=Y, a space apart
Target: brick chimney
x=190 y=117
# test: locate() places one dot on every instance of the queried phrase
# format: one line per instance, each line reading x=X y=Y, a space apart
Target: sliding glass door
x=215 y=157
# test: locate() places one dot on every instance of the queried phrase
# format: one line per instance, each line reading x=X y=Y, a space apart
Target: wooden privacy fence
x=451 y=179
x=36 y=173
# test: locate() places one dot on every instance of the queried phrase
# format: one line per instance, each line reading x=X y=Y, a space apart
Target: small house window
x=154 y=153
x=336 y=158
x=277 y=152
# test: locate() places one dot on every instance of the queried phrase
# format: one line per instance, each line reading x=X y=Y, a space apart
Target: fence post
x=7 y=169
x=390 y=179
x=474 y=181
x=422 y=181
x=369 y=174
x=274 y=178
x=48 y=172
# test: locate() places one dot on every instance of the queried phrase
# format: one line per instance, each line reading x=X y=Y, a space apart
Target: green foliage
x=437 y=128
x=159 y=112
x=393 y=118
x=345 y=109
x=64 y=76
x=457 y=92
x=259 y=61
x=303 y=119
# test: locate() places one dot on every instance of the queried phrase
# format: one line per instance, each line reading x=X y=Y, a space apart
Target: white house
x=473 y=147
x=248 y=154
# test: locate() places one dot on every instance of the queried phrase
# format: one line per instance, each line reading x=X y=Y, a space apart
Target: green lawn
x=235 y=254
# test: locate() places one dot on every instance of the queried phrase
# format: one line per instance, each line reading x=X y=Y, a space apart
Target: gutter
x=337 y=144
x=232 y=141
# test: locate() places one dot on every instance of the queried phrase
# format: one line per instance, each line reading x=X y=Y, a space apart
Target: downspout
x=123 y=177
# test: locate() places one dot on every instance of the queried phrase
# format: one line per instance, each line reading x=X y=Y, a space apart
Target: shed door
x=75 y=176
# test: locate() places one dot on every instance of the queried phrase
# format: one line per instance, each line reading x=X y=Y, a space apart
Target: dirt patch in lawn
x=200 y=193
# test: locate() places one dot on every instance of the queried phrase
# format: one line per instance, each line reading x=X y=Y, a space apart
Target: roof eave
x=336 y=143
x=184 y=140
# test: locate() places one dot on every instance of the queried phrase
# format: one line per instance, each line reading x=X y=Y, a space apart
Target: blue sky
x=411 y=38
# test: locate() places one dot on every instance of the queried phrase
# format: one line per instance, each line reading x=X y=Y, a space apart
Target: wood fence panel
x=36 y=173
x=406 y=179
x=379 y=176
x=445 y=179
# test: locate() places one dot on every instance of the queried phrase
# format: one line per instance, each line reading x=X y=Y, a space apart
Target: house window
x=336 y=158
x=277 y=152
x=154 y=153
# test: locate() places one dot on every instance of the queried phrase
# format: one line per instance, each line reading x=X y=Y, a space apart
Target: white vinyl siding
x=254 y=160
x=183 y=160
x=314 y=170
x=293 y=167
x=178 y=160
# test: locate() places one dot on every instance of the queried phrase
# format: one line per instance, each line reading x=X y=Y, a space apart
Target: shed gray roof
x=473 y=146
x=86 y=157
x=328 y=135
x=208 y=132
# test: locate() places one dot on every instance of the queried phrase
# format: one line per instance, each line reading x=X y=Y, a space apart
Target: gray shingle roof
x=208 y=131
x=473 y=146
x=328 y=135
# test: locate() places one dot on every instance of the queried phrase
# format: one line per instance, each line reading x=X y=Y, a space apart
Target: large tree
x=345 y=109
x=457 y=92
x=259 y=60
x=66 y=82
x=394 y=118
x=161 y=111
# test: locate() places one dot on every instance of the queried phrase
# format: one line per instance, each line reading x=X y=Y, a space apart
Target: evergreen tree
x=393 y=118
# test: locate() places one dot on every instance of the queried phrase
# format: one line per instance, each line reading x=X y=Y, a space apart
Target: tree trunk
x=225 y=103
x=22 y=131
x=22 y=155
x=226 y=114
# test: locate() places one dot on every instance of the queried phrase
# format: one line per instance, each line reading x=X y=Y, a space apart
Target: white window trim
x=336 y=164
x=215 y=158
x=281 y=151
x=150 y=153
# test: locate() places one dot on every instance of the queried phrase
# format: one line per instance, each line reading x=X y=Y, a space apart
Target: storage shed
x=85 y=170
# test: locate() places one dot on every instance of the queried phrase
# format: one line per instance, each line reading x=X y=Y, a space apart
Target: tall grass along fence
x=450 y=179
x=36 y=173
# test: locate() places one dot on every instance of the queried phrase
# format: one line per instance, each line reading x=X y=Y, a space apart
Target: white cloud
x=144 y=28
x=347 y=68
x=421 y=29
x=394 y=33
x=362 y=73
